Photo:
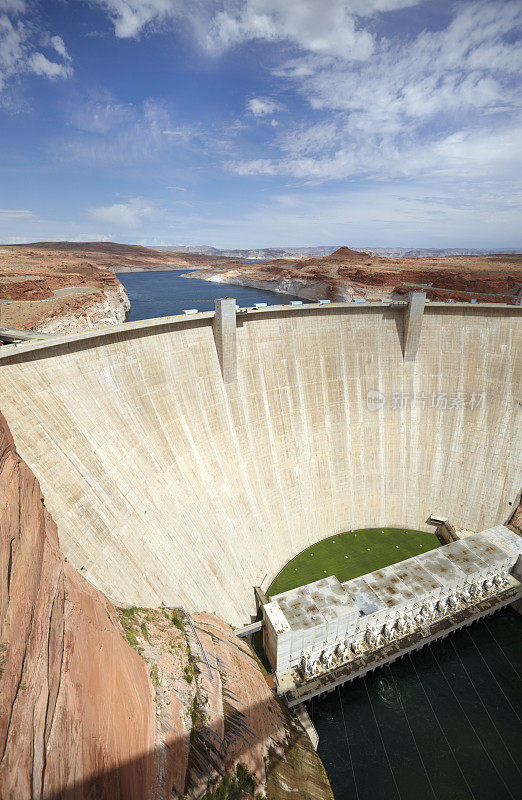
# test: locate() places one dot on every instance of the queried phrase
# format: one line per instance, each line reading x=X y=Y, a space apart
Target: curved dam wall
x=169 y=485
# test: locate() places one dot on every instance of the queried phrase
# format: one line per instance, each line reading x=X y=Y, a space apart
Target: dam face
x=170 y=485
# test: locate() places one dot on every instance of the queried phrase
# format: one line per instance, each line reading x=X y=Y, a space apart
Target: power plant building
x=313 y=620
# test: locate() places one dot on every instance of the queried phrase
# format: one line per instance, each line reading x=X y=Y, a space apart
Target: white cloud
x=263 y=106
x=329 y=27
x=325 y=27
x=317 y=26
x=18 y=53
x=41 y=65
x=59 y=45
x=441 y=102
x=130 y=17
x=466 y=154
x=123 y=215
x=463 y=66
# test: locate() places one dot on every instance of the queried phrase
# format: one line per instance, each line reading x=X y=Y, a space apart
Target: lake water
x=441 y=724
x=163 y=294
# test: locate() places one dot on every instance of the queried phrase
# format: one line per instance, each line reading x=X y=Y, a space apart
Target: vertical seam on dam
x=225 y=337
x=413 y=324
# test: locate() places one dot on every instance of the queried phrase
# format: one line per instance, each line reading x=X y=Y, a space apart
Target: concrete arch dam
x=172 y=485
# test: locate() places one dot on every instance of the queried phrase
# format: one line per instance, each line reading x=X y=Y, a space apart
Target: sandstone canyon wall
x=76 y=706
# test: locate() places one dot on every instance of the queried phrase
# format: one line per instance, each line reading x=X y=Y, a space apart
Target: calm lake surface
x=441 y=724
x=163 y=294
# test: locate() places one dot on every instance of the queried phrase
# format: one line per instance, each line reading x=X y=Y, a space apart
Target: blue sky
x=250 y=123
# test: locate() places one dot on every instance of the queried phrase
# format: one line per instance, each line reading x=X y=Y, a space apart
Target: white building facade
x=320 y=625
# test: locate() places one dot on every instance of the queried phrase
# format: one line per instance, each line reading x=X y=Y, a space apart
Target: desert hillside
x=57 y=287
x=348 y=274
x=106 y=255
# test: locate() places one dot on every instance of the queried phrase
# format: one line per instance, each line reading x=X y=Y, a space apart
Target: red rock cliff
x=75 y=698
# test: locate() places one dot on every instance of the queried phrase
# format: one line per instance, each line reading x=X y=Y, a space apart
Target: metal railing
x=194 y=631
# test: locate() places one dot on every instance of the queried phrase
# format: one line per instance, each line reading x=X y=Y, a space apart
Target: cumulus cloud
x=318 y=26
x=325 y=27
x=19 y=47
x=130 y=17
x=263 y=106
x=130 y=214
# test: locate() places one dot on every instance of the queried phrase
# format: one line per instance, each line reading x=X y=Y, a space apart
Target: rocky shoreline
x=307 y=289
x=348 y=274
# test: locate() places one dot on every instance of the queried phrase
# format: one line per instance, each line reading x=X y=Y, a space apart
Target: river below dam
x=444 y=723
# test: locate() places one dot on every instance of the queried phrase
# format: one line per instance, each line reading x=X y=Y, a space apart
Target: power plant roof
x=404 y=584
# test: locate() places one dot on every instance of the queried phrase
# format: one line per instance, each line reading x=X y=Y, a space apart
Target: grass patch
x=129 y=613
x=154 y=675
x=188 y=673
x=348 y=555
x=232 y=785
x=177 y=621
x=131 y=628
x=145 y=632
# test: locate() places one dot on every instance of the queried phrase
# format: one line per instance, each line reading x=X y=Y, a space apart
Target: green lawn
x=351 y=554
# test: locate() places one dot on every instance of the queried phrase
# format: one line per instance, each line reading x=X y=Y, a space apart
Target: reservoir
x=166 y=293
x=441 y=724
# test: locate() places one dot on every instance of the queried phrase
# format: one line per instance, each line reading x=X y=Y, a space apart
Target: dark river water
x=442 y=724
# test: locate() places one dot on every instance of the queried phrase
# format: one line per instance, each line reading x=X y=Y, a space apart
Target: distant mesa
x=346 y=254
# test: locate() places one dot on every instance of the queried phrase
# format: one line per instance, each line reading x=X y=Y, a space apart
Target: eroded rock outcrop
x=347 y=274
x=61 y=299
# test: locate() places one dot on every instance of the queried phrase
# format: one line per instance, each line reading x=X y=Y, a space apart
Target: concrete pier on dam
x=187 y=459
